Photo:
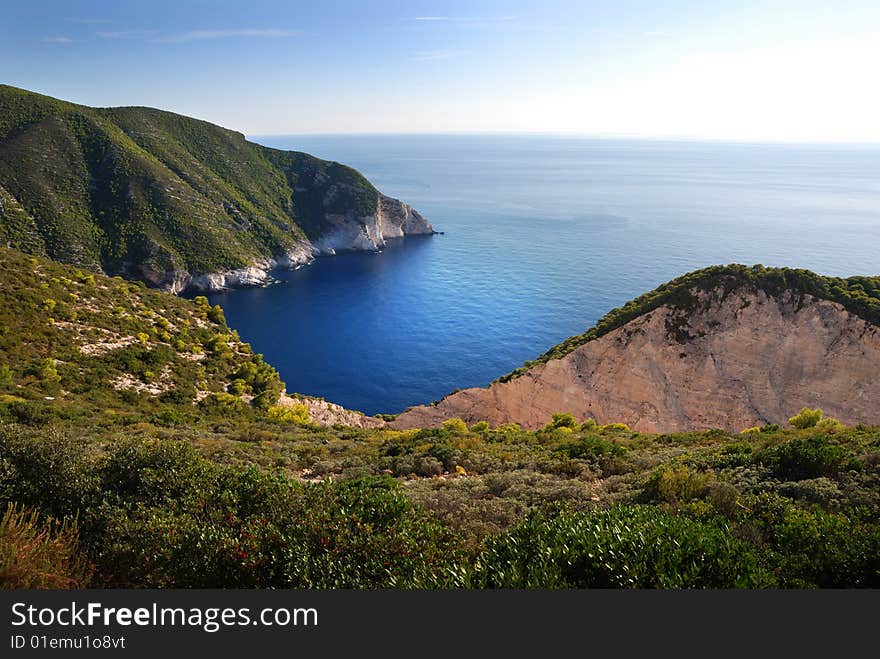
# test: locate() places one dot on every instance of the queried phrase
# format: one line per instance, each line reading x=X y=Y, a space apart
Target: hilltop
x=725 y=347
x=175 y=201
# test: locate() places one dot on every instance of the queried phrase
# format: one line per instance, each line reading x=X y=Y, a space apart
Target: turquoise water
x=542 y=237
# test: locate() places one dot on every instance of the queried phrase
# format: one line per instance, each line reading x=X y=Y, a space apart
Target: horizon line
x=571 y=134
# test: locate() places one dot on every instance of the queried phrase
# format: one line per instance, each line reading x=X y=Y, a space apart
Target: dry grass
x=38 y=552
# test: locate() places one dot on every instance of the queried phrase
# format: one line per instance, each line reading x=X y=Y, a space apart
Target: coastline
x=259 y=273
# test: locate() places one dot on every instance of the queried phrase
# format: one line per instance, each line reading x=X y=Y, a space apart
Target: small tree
x=49 y=377
x=806 y=418
x=5 y=376
x=296 y=413
x=454 y=425
x=215 y=315
x=564 y=420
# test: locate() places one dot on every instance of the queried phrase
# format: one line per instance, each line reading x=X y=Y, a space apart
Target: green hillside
x=88 y=349
x=112 y=189
x=859 y=295
x=139 y=447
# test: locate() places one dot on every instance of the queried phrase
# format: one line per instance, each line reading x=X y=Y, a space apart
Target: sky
x=745 y=70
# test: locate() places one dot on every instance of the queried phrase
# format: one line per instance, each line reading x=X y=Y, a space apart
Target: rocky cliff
x=723 y=351
x=174 y=201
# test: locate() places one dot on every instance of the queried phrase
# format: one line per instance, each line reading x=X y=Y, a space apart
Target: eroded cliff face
x=737 y=361
x=349 y=233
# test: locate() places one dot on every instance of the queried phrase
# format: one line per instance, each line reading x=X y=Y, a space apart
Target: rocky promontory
x=725 y=350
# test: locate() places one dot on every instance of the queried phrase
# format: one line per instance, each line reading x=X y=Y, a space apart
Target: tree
x=806 y=418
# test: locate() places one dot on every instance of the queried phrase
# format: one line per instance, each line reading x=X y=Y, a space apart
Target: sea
x=542 y=235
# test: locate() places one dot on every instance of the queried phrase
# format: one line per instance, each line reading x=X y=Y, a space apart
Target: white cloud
x=201 y=35
x=431 y=18
x=126 y=34
x=57 y=40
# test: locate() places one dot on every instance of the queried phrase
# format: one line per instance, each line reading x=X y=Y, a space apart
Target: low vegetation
x=274 y=503
x=142 y=444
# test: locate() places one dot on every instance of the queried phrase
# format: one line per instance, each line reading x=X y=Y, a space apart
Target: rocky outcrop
x=392 y=219
x=737 y=360
x=345 y=233
x=329 y=414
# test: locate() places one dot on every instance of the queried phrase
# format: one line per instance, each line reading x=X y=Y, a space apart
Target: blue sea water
x=543 y=235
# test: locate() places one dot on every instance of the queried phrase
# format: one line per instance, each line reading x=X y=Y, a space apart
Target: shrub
x=563 y=420
x=813 y=548
x=223 y=404
x=614 y=427
x=752 y=430
x=675 y=484
x=806 y=418
x=480 y=427
x=622 y=547
x=809 y=457
x=454 y=425
x=5 y=376
x=46 y=470
x=830 y=425
x=31 y=413
x=589 y=424
x=215 y=315
x=296 y=413
x=591 y=447
x=38 y=552
x=49 y=377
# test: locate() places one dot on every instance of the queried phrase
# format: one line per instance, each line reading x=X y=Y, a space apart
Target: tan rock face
x=746 y=360
x=328 y=414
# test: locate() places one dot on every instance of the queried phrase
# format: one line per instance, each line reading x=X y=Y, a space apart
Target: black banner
x=398 y=623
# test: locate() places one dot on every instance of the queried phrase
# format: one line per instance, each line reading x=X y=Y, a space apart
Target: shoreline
x=259 y=274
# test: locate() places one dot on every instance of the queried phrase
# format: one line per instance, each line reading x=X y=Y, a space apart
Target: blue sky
x=745 y=70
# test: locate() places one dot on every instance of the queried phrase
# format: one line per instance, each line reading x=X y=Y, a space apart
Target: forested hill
x=165 y=198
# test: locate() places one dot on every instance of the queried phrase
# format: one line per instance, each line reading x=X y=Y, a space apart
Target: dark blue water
x=543 y=236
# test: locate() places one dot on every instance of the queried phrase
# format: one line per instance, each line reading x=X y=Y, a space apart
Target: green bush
x=806 y=418
x=5 y=375
x=591 y=447
x=296 y=413
x=623 y=547
x=674 y=484
x=813 y=548
x=563 y=420
x=809 y=457
x=454 y=426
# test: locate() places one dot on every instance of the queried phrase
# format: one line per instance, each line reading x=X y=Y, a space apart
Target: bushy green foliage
x=152 y=512
x=124 y=337
x=562 y=420
x=806 y=457
x=623 y=547
x=590 y=446
x=296 y=413
x=677 y=483
x=806 y=418
x=454 y=425
x=815 y=548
